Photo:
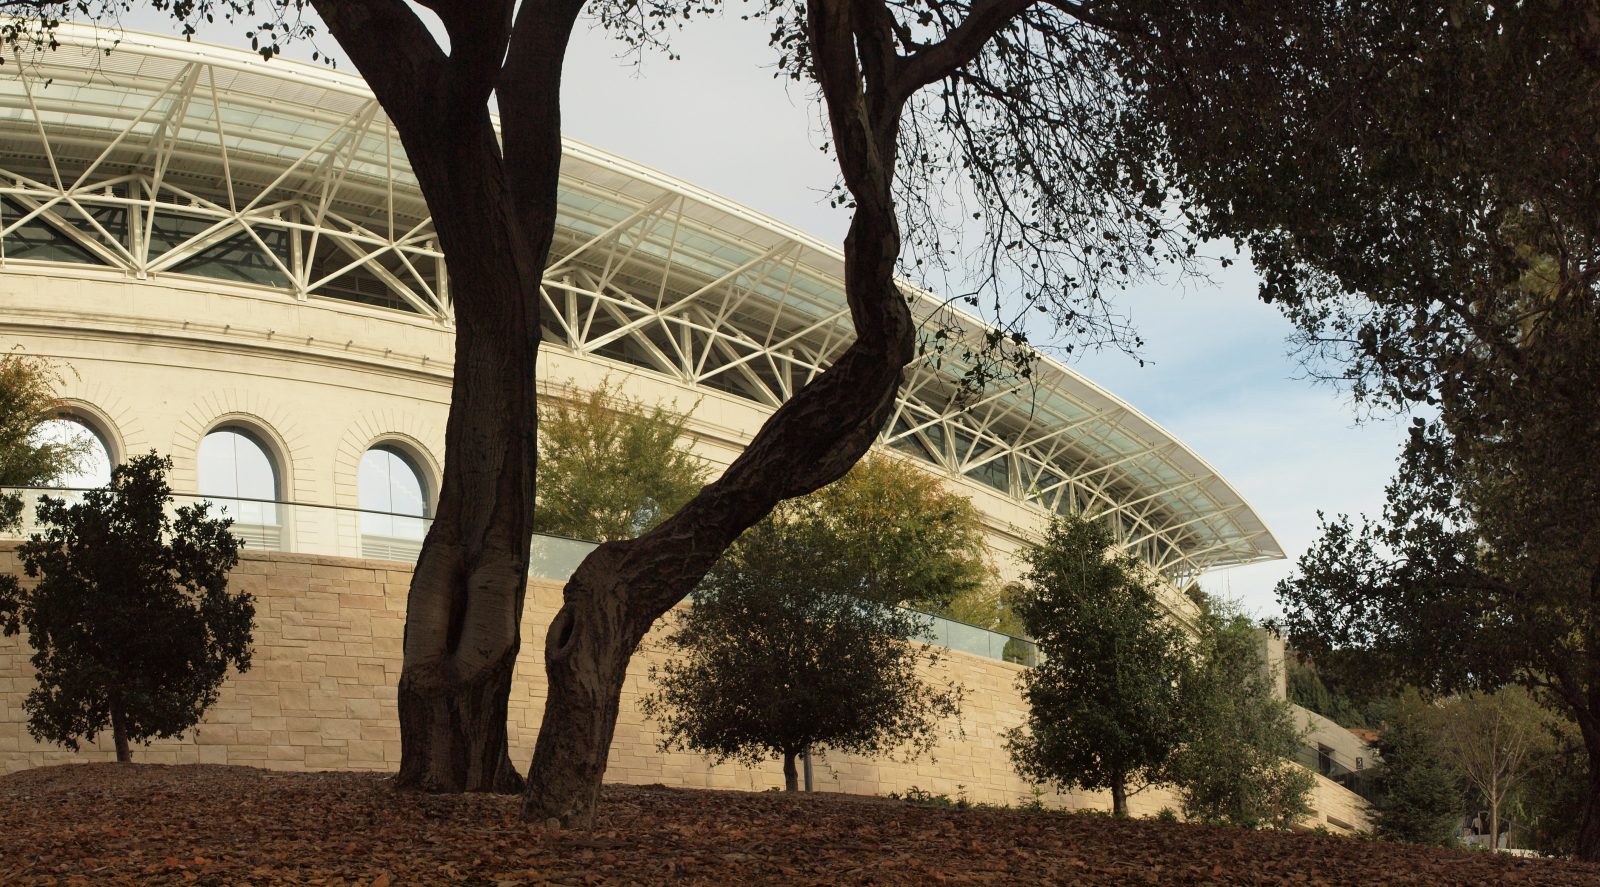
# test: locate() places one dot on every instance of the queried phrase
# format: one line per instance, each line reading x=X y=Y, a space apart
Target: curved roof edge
x=587 y=166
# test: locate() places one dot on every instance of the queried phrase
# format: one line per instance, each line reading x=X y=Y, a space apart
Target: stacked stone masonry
x=320 y=695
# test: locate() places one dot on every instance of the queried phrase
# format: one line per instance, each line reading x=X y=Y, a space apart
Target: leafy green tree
x=779 y=653
x=1235 y=767
x=796 y=639
x=910 y=541
x=1104 y=708
x=27 y=396
x=610 y=467
x=1421 y=799
x=1493 y=741
x=1416 y=184
x=131 y=620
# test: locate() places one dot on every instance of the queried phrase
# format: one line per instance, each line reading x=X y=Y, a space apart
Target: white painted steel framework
x=171 y=158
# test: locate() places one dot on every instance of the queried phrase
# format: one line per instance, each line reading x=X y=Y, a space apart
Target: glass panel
x=93 y=468
x=114 y=219
x=390 y=484
x=993 y=473
x=240 y=259
x=168 y=230
x=555 y=557
x=234 y=468
x=357 y=284
x=38 y=240
x=907 y=442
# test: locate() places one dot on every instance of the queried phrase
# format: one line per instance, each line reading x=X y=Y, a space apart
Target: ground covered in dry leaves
x=149 y=824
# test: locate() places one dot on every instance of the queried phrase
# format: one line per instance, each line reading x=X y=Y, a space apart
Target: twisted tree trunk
x=812 y=440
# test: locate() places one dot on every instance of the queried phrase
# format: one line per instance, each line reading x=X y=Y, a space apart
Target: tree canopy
x=1417 y=186
x=131 y=618
x=906 y=539
x=611 y=467
x=1104 y=706
x=797 y=637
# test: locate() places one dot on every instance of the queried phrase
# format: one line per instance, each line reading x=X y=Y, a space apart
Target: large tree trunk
x=791 y=774
x=494 y=210
x=464 y=611
x=813 y=439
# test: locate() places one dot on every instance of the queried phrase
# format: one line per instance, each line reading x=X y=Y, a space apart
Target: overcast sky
x=1216 y=369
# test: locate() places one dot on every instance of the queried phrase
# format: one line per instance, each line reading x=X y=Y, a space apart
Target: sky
x=1216 y=368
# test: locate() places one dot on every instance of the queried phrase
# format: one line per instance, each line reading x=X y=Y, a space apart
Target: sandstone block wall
x=320 y=695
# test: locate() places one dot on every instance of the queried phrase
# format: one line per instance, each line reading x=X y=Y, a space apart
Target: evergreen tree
x=797 y=638
x=1103 y=703
x=1235 y=767
x=1422 y=802
x=131 y=620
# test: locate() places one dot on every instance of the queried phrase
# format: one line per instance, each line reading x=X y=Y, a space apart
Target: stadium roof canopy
x=167 y=157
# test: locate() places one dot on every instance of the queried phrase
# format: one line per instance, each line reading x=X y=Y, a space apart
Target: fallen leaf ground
x=150 y=824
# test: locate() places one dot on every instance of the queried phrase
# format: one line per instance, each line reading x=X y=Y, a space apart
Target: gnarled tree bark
x=493 y=203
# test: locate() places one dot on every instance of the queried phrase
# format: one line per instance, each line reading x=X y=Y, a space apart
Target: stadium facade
x=235 y=262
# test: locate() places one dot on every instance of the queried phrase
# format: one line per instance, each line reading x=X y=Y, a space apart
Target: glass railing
x=982 y=641
x=359 y=533
x=1359 y=776
x=275 y=525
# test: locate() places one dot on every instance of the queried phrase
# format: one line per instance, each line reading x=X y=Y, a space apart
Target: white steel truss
x=216 y=165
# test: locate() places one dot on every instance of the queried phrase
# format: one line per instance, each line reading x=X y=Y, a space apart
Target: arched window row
x=241 y=474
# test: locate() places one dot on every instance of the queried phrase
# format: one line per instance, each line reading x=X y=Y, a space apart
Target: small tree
x=1422 y=801
x=1103 y=703
x=796 y=639
x=27 y=396
x=131 y=619
x=1493 y=740
x=609 y=467
x=1235 y=768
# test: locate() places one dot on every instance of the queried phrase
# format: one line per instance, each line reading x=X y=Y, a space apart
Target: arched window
x=238 y=475
x=394 y=504
x=93 y=467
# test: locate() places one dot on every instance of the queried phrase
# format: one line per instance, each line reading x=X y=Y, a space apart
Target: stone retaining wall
x=320 y=695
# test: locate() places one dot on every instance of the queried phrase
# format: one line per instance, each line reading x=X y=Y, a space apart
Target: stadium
x=235 y=266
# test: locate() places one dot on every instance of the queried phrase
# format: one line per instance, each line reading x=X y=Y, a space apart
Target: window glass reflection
x=93 y=466
x=393 y=500
x=234 y=470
